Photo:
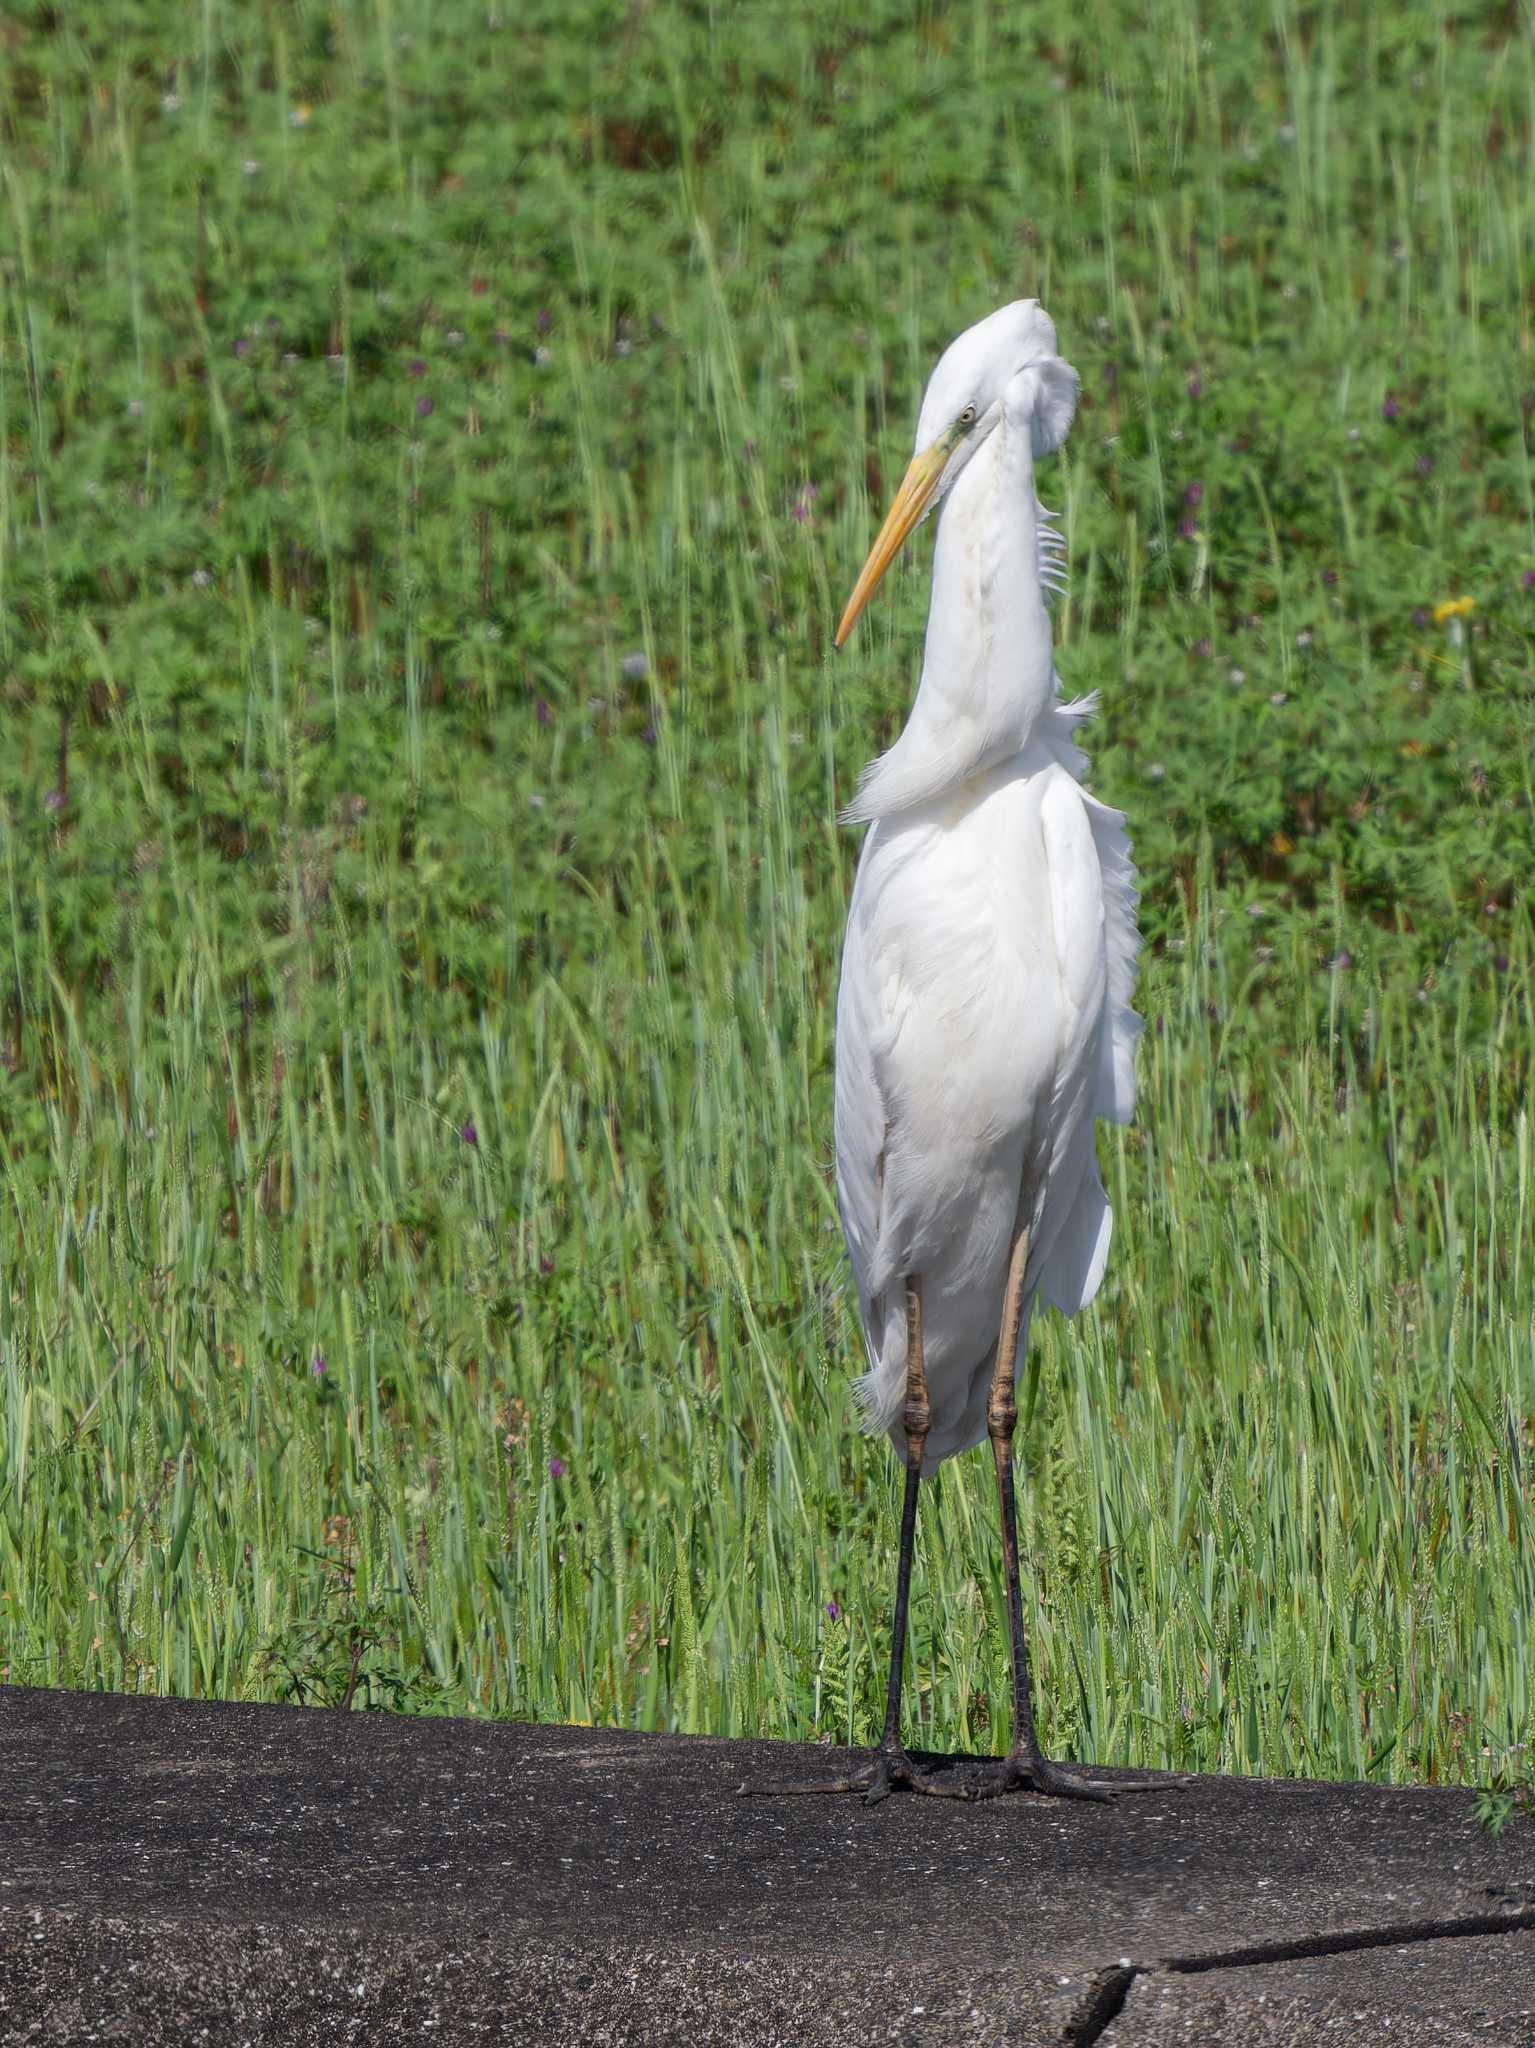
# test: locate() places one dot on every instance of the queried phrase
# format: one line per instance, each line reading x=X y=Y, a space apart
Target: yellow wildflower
x=1454 y=608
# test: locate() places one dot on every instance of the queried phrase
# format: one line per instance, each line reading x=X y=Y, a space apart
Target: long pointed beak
x=911 y=501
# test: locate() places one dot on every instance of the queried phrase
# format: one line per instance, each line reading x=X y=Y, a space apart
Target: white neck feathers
x=987 y=671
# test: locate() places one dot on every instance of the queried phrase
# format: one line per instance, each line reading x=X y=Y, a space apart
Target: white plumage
x=984 y=1018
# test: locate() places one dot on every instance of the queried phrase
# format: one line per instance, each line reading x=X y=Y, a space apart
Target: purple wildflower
x=1192 y=493
x=803 y=504
x=1329 y=577
x=54 y=800
x=1202 y=648
x=546 y=1267
x=556 y=1468
x=417 y=367
x=1420 y=614
x=317 y=1365
x=648 y=732
x=1528 y=579
x=1390 y=409
x=1195 y=384
x=1425 y=465
x=1186 y=529
x=544 y=715
x=242 y=345
x=544 y=321
x=424 y=407
x=832 y=1610
x=469 y=1134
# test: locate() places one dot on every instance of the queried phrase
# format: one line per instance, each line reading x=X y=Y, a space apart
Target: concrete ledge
x=270 y=1874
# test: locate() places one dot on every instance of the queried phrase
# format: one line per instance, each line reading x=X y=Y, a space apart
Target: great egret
x=984 y=1015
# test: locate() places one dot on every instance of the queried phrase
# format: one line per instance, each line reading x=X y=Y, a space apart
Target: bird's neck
x=987 y=669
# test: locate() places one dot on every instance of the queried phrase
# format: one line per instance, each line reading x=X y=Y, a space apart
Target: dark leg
x=915 y=1417
x=1024 y=1766
x=890 y=1765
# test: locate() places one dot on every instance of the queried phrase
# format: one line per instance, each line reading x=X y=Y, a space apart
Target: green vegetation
x=435 y=448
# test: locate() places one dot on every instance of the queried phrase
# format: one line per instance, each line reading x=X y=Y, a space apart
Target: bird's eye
x=967 y=417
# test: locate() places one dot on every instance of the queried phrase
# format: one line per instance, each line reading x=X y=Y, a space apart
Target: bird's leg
x=1024 y=1766
x=891 y=1766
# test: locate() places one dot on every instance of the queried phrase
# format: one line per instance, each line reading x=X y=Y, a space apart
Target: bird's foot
x=993 y=1779
x=1037 y=1774
x=889 y=1769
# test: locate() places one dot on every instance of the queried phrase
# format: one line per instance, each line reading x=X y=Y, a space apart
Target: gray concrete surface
x=175 y=1870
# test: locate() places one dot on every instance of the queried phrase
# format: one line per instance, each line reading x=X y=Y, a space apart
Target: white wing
x=860 y=1114
x=1093 y=903
x=983 y=1023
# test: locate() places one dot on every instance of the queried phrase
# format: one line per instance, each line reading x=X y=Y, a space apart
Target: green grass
x=375 y=385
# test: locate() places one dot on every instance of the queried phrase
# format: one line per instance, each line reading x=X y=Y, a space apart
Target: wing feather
x=1073 y=1223
x=1069 y=1050
x=861 y=1114
x=1121 y=896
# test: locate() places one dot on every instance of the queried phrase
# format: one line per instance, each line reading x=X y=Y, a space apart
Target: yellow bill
x=911 y=501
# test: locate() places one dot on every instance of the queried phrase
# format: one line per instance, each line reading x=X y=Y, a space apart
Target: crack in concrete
x=1105 y=2000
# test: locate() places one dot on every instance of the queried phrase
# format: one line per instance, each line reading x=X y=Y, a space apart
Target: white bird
x=984 y=1017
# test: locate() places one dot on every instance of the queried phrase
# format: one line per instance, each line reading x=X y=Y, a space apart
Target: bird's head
x=1007 y=358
